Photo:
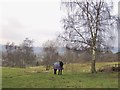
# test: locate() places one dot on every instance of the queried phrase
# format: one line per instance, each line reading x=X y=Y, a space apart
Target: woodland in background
x=23 y=55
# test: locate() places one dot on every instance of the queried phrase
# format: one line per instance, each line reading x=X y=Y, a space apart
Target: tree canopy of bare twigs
x=19 y=55
x=50 y=53
x=88 y=24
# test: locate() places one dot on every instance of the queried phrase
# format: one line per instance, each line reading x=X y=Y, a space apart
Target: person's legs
x=60 y=72
x=55 y=70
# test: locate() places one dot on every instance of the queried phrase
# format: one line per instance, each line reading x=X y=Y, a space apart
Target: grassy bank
x=74 y=76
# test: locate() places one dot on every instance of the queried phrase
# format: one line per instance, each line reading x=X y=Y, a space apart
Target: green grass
x=74 y=76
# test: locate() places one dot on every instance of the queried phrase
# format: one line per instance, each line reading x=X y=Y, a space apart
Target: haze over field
x=35 y=19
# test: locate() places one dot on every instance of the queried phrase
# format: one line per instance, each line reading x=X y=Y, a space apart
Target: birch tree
x=88 y=24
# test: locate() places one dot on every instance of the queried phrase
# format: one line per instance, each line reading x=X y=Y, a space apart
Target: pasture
x=74 y=76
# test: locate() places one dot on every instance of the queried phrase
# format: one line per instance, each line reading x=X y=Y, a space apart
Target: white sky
x=36 y=19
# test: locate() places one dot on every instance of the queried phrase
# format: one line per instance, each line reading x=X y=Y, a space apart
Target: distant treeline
x=23 y=55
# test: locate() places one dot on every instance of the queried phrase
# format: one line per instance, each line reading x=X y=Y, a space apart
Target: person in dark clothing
x=58 y=66
x=61 y=63
x=60 y=69
x=55 y=70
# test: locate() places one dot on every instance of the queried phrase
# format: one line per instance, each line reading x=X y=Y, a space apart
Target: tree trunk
x=93 y=69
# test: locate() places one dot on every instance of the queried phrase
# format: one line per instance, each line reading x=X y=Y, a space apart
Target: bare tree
x=88 y=25
x=27 y=50
x=50 y=53
x=9 y=57
x=19 y=55
x=69 y=56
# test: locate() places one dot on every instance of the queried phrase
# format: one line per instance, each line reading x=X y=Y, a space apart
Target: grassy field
x=74 y=76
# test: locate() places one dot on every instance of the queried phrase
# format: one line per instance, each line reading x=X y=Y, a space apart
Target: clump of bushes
x=110 y=68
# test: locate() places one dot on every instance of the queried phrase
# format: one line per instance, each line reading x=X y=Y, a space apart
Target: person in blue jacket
x=58 y=66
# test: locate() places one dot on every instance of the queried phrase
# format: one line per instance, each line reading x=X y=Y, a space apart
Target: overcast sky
x=36 y=19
